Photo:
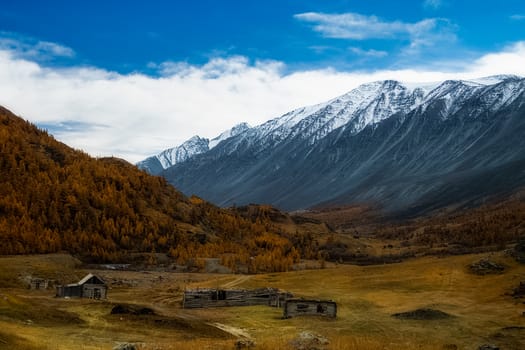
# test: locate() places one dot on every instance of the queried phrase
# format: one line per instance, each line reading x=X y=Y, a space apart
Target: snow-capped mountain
x=195 y=145
x=384 y=142
x=236 y=130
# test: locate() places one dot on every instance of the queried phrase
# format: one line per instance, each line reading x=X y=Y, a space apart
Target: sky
x=132 y=78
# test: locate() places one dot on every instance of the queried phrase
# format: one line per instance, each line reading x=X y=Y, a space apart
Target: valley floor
x=482 y=308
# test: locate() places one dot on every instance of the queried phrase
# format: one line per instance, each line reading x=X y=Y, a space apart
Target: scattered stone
x=126 y=346
x=488 y=347
x=485 y=267
x=244 y=344
x=309 y=341
x=422 y=314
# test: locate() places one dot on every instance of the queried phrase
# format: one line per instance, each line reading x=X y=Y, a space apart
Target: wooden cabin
x=38 y=283
x=91 y=286
x=202 y=298
x=302 y=307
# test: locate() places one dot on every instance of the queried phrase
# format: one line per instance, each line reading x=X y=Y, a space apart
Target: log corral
x=209 y=297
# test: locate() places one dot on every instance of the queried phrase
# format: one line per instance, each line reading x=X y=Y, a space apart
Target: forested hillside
x=54 y=198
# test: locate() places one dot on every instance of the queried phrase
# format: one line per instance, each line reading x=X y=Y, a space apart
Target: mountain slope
x=54 y=198
x=405 y=148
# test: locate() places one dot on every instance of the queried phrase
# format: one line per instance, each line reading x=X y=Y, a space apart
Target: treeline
x=54 y=198
x=489 y=225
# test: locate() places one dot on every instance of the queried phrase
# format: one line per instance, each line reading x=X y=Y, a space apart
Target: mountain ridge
x=189 y=148
x=308 y=154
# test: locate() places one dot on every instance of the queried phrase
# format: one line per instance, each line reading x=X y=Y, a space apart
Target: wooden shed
x=202 y=298
x=91 y=286
x=302 y=307
x=38 y=283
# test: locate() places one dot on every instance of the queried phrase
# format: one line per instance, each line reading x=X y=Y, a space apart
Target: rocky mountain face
x=405 y=147
x=192 y=147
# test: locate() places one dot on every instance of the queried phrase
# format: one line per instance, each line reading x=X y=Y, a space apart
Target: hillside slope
x=54 y=198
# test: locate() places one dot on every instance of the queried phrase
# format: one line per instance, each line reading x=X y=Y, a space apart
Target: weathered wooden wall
x=69 y=291
x=94 y=291
x=203 y=298
x=301 y=307
x=38 y=283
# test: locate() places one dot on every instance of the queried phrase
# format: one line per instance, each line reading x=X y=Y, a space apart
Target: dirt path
x=236 y=332
x=237 y=281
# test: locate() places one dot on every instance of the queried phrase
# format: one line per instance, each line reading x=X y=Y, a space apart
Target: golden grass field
x=483 y=309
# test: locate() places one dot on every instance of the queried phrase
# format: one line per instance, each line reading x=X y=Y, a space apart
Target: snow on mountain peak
x=368 y=104
x=236 y=130
x=495 y=79
x=195 y=145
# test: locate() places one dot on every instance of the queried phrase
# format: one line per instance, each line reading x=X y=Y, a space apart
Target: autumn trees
x=55 y=198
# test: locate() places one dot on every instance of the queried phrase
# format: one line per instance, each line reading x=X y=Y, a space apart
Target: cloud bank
x=135 y=115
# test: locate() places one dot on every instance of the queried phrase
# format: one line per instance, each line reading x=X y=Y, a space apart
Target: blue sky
x=130 y=78
x=127 y=36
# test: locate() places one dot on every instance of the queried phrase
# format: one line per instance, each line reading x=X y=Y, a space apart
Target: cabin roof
x=85 y=279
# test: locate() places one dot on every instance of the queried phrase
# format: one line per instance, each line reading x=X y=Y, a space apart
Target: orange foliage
x=55 y=198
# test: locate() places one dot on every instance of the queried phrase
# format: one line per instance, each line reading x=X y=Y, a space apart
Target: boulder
x=519 y=251
x=309 y=341
x=488 y=347
x=244 y=344
x=485 y=267
x=125 y=346
x=519 y=291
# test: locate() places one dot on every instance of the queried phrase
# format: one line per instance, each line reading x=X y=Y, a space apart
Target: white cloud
x=352 y=25
x=434 y=4
x=368 y=53
x=135 y=115
x=517 y=17
x=26 y=47
x=355 y=26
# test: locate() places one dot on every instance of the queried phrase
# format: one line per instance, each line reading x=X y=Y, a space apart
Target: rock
x=519 y=291
x=488 y=347
x=485 y=267
x=244 y=344
x=422 y=314
x=126 y=346
x=519 y=251
x=309 y=341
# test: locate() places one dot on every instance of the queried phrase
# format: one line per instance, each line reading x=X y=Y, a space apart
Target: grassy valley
x=482 y=309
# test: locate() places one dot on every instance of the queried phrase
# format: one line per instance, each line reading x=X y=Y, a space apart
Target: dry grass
x=366 y=297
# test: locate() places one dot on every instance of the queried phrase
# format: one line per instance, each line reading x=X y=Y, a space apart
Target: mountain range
x=195 y=145
x=405 y=147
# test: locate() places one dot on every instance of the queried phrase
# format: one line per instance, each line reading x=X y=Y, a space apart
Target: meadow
x=481 y=307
